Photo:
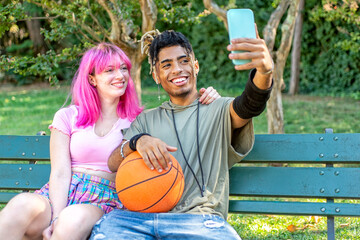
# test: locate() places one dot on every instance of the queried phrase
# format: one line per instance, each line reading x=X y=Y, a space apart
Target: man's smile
x=179 y=81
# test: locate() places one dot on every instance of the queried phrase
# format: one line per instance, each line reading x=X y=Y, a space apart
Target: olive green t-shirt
x=219 y=149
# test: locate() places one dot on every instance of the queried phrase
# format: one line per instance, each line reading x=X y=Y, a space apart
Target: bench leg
x=330 y=228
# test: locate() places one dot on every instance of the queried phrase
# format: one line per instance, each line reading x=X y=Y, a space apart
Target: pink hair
x=86 y=97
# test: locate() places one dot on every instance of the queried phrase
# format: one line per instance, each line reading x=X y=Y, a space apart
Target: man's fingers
x=146 y=160
x=257 y=32
x=171 y=149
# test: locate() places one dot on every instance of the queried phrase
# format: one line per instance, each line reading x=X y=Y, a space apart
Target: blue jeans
x=120 y=224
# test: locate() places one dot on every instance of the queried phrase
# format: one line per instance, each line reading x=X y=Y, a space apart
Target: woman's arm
x=60 y=176
x=208 y=95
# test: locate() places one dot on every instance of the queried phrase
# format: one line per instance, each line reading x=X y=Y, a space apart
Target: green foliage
x=180 y=14
x=10 y=13
x=48 y=64
x=330 y=60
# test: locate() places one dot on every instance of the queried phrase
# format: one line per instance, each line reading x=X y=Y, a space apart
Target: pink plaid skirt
x=89 y=189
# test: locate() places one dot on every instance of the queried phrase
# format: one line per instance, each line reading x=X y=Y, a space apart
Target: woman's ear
x=92 y=81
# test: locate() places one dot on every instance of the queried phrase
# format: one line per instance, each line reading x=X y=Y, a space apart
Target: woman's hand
x=208 y=95
x=47 y=233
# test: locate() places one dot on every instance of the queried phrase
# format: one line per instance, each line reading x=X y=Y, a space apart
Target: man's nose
x=176 y=68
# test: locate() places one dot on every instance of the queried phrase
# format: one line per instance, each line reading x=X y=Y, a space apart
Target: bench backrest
x=252 y=177
x=323 y=166
x=24 y=164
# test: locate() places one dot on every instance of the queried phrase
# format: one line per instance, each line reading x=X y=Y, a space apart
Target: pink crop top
x=87 y=149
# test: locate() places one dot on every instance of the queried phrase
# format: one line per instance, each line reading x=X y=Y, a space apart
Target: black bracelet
x=134 y=139
x=252 y=101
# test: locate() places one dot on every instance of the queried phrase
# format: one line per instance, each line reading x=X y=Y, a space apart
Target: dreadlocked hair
x=153 y=41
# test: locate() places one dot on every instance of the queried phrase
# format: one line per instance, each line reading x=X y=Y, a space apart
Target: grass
x=27 y=110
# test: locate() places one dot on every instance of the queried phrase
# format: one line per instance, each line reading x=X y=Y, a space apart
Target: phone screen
x=241 y=24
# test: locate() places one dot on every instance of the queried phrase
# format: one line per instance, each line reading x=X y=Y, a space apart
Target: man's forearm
x=116 y=158
x=263 y=81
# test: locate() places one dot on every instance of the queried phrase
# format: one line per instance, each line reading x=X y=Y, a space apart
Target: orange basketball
x=143 y=190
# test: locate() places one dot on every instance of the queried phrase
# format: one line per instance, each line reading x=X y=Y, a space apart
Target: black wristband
x=252 y=101
x=134 y=139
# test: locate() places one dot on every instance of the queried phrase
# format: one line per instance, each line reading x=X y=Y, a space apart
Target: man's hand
x=256 y=51
x=154 y=152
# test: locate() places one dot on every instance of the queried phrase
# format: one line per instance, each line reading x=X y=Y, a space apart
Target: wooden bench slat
x=294 y=208
x=24 y=176
x=6 y=196
x=321 y=148
x=24 y=147
x=295 y=182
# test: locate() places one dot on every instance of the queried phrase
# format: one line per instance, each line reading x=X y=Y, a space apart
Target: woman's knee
x=27 y=213
x=26 y=206
x=78 y=218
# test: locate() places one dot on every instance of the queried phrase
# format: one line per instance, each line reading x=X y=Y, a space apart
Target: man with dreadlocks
x=205 y=151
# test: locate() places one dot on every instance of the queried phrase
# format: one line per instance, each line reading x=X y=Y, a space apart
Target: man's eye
x=166 y=65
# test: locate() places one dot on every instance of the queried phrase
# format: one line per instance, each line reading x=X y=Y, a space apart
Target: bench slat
x=24 y=176
x=6 y=196
x=24 y=147
x=295 y=182
x=294 y=208
x=321 y=148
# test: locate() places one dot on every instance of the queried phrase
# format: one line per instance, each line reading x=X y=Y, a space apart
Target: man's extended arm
x=256 y=92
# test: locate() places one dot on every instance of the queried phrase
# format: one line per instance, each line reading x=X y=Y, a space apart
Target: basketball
x=141 y=189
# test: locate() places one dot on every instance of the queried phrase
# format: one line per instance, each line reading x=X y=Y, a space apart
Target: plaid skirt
x=89 y=189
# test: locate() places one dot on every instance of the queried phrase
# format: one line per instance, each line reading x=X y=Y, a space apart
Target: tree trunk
x=136 y=59
x=33 y=26
x=274 y=107
x=296 y=52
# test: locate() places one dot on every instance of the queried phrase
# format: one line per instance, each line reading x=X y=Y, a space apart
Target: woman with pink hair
x=81 y=188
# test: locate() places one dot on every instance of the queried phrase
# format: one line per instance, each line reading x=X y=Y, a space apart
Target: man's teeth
x=179 y=80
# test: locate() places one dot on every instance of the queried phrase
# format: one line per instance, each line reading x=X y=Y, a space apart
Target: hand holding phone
x=241 y=24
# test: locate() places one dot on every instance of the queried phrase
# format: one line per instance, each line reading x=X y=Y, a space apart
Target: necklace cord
x=202 y=188
x=198 y=149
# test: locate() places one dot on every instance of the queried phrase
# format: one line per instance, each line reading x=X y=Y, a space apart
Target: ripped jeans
x=120 y=224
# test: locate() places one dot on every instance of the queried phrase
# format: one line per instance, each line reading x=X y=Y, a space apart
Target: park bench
x=319 y=166
x=313 y=166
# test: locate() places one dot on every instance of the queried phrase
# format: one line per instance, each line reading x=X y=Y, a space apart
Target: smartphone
x=241 y=24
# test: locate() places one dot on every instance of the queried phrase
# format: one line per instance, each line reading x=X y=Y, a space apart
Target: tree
x=87 y=22
x=275 y=113
x=296 y=52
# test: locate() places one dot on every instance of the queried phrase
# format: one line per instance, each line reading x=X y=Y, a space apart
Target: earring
x=158 y=92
